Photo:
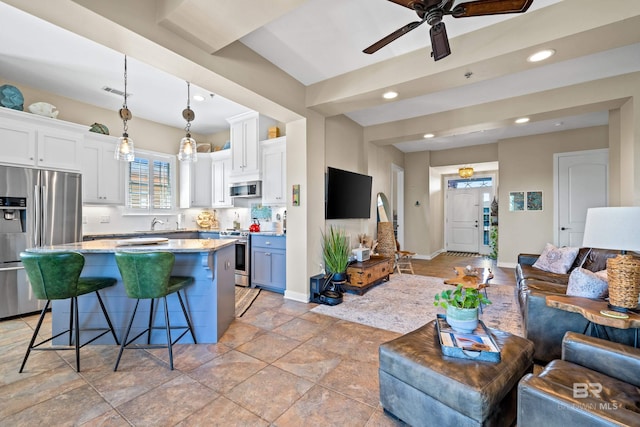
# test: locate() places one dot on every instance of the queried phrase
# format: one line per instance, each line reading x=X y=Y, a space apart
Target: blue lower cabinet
x=268 y=264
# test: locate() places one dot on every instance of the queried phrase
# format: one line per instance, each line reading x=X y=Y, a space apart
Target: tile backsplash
x=112 y=219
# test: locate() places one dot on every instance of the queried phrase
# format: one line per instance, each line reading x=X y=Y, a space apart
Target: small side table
x=590 y=310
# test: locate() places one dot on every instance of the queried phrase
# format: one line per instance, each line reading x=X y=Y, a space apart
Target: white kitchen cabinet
x=102 y=175
x=196 y=182
x=30 y=140
x=274 y=171
x=246 y=131
x=221 y=166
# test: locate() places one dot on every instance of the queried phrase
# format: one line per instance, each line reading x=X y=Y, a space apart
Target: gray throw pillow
x=556 y=260
x=587 y=284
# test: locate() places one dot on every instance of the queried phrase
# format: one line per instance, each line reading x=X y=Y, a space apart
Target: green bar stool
x=147 y=275
x=56 y=276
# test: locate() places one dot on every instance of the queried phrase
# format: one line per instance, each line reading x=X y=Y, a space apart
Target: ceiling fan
x=432 y=12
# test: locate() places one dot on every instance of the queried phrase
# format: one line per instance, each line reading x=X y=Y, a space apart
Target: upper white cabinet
x=30 y=140
x=102 y=174
x=247 y=130
x=274 y=171
x=196 y=182
x=221 y=166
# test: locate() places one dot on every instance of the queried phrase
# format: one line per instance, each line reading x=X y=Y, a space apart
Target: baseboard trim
x=296 y=296
x=506 y=264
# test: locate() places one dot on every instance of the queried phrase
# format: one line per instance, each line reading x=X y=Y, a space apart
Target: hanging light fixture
x=124 y=150
x=465 y=172
x=188 y=147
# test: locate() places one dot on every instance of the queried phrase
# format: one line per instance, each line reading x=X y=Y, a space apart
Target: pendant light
x=125 y=151
x=188 y=152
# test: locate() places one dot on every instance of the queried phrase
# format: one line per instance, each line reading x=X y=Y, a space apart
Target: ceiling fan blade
x=391 y=37
x=490 y=7
x=439 y=41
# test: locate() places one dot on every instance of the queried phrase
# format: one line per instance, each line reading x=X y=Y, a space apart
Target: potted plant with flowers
x=462 y=307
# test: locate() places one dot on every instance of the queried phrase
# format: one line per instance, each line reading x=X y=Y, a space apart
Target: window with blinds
x=151 y=183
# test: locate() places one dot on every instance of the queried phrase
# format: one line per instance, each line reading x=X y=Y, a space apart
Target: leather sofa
x=546 y=326
x=594 y=384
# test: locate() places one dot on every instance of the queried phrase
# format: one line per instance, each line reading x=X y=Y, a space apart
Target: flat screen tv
x=348 y=195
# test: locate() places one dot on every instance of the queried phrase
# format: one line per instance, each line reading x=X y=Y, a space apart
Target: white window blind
x=151 y=183
x=161 y=185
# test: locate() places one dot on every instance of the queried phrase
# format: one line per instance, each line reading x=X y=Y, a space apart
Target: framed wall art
x=534 y=200
x=516 y=201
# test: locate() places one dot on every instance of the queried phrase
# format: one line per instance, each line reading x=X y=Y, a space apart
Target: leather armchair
x=596 y=383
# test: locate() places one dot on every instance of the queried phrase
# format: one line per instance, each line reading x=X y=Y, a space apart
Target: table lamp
x=617 y=228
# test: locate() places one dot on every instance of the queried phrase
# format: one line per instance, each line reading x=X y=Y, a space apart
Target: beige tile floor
x=278 y=365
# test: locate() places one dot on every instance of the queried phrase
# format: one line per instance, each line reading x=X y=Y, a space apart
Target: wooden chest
x=363 y=275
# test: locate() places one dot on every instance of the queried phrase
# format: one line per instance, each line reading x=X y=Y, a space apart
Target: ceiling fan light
x=541 y=55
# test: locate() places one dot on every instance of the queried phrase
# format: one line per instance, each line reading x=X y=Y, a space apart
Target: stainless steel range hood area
x=248 y=189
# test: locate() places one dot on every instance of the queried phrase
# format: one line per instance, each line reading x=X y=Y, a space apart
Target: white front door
x=463 y=219
x=582 y=183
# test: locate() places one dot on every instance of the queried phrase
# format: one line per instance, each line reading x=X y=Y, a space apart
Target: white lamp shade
x=616 y=228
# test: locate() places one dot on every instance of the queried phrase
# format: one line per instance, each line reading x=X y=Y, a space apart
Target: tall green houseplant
x=335 y=250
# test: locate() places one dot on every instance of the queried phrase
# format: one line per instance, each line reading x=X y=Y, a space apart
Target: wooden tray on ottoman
x=363 y=275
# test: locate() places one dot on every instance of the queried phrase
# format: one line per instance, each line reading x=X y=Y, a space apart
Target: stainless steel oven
x=243 y=255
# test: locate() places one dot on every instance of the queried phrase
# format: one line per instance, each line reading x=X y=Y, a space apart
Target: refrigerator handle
x=36 y=215
x=42 y=231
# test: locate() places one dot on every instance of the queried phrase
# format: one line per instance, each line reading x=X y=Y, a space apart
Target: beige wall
x=146 y=134
x=526 y=164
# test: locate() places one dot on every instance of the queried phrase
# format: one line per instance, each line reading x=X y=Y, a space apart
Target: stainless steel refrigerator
x=37 y=208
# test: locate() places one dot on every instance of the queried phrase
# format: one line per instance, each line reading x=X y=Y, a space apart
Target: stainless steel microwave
x=246 y=189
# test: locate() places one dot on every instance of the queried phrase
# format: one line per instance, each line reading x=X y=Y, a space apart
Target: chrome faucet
x=155 y=221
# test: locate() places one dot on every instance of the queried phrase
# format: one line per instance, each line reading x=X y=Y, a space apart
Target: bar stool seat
x=56 y=276
x=147 y=275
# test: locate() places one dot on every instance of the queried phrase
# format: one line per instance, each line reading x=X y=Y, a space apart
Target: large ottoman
x=422 y=387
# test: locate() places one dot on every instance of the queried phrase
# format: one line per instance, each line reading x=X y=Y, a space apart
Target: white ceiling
x=316 y=41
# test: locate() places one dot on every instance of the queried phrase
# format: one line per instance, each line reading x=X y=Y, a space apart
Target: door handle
x=565 y=228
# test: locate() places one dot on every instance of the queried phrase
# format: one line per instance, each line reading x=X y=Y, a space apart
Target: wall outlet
x=105 y=219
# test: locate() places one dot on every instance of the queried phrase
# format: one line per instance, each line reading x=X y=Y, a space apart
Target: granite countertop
x=113 y=245
x=141 y=232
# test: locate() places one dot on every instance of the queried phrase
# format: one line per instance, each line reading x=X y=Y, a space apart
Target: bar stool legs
x=167 y=326
x=73 y=331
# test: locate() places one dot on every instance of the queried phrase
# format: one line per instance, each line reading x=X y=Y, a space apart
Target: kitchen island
x=210 y=300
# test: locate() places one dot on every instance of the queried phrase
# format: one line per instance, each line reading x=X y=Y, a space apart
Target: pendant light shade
x=124 y=150
x=188 y=146
x=188 y=150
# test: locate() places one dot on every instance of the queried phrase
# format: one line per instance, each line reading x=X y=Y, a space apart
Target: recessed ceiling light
x=390 y=95
x=541 y=55
x=522 y=120
x=428 y=135
x=198 y=98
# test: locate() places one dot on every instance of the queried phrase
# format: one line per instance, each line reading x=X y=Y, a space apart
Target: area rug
x=405 y=303
x=244 y=299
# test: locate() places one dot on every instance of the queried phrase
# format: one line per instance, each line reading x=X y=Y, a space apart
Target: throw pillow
x=603 y=275
x=556 y=260
x=587 y=284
